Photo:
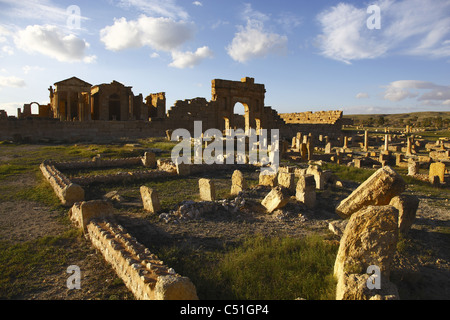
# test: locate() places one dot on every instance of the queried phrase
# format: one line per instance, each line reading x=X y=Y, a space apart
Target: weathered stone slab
x=207 y=190
x=306 y=190
x=287 y=180
x=149 y=160
x=150 y=199
x=437 y=169
x=407 y=207
x=268 y=180
x=238 y=182
x=81 y=213
x=369 y=239
x=377 y=190
x=275 y=199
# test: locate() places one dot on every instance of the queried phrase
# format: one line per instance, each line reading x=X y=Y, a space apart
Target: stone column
x=366 y=141
x=386 y=142
x=408 y=146
x=345 y=142
x=69 y=107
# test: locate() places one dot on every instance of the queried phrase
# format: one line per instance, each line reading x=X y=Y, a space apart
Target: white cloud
x=164 y=8
x=154 y=55
x=50 y=41
x=197 y=3
x=190 y=59
x=345 y=36
x=426 y=92
x=26 y=69
x=362 y=95
x=11 y=82
x=161 y=33
x=40 y=11
x=4 y=33
x=253 y=41
x=8 y=50
x=407 y=27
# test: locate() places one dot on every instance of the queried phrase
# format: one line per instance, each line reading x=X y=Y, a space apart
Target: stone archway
x=227 y=93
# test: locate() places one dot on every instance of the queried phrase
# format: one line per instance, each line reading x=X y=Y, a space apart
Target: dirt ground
x=421 y=271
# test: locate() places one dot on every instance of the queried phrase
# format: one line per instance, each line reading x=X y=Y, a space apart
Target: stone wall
x=320 y=117
x=67 y=191
x=53 y=130
x=142 y=272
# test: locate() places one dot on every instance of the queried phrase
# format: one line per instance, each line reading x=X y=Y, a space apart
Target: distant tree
x=380 y=121
x=437 y=122
x=427 y=122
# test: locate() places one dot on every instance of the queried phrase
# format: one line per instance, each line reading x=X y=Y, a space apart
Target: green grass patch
x=23 y=264
x=8 y=170
x=262 y=269
x=349 y=173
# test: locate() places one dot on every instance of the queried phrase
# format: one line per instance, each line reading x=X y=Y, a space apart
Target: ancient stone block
x=437 y=169
x=149 y=160
x=150 y=199
x=82 y=213
x=306 y=190
x=172 y=287
x=207 y=190
x=238 y=182
x=183 y=169
x=407 y=207
x=413 y=168
x=276 y=199
x=286 y=179
x=316 y=171
x=268 y=179
x=71 y=194
x=369 y=239
x=378 y=189
x=328 y=148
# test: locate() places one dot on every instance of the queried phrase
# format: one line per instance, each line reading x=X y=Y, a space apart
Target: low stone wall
x=52 y=130
x=142 y=272
x=100 y=163
x=66 y=190
x=122 y=176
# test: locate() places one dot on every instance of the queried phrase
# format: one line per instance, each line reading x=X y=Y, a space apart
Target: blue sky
x=311 y=55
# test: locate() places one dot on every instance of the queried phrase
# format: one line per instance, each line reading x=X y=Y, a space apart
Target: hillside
x=418 y=119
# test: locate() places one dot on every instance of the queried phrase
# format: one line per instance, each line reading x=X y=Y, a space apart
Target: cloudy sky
x=387 y=56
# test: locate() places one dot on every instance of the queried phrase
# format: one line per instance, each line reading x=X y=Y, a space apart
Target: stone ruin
x=80 y=111
x=368 y=221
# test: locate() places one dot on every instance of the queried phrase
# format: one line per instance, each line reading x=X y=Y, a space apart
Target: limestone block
x=413 y=168
x=238 y=182
x=172 y=287
x=150 y=199
x=207 y=190
x=316 y=171
x=268 y=180
x=276 y=199
x=437 y=169
x=71 y=194
x=407 y=207
x=328 y=148
x=183 y=169
x=82 y=213
x=377 y=190
x=149 y=160
x=306 y=190
x=369 y=239
x=286 y=179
